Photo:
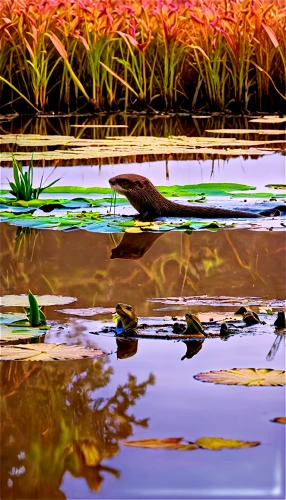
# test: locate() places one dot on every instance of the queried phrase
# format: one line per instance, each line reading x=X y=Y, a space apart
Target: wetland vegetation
x=136 y=347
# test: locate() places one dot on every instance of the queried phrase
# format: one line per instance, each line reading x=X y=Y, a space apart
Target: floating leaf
x=247 y=131
x=276 y=186
x=132 y=145
x=16 y=329
x=163 y=444
x=47 y=352
x=208 y=443
x=279 y=420
x=90 y=311
x=269 y=119
x=43 y=300
x=214 y=443
x=244 y=376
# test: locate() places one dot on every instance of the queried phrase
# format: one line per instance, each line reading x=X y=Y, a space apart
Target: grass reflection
x=56 y=422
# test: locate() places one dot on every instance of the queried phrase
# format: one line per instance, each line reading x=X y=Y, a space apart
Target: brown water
x=63 y=423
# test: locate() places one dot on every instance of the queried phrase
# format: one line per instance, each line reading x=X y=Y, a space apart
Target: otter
x=127 y=317
x=150 y=204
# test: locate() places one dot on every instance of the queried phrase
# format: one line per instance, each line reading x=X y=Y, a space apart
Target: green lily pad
x=47 y=352
x=43 y=300
x=16 y=329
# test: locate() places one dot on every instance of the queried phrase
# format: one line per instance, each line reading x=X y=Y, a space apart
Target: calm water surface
x=63 y=424
x=53 y=412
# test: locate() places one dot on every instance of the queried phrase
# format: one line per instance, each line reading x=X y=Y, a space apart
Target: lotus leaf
x=43 y=300
x=214 y=443
x=47 y=352
x=279 y=420
x=244 y=376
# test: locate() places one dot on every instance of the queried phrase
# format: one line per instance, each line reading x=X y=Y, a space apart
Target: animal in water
x=127 y=317
x=280 y=321
x=251 y=318
x=194 y=326
x=224 y=332
x=150 y=204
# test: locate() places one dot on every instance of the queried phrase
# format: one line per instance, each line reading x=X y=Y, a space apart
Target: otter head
x=127 y=316
x=193 y=324
x=138 y=190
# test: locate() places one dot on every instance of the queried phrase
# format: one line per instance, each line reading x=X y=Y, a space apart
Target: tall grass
x=65 y=55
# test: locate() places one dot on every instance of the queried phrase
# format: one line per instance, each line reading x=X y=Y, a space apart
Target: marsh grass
x=66 y=56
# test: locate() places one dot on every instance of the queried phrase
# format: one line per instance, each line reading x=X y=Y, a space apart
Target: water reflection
x=54 y=420
x=275 y=346
x=126 y=348
x=227 y=263
x=193 y=347
x=134 y=246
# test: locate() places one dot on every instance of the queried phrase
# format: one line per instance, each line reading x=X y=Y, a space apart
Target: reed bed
x=70 y=55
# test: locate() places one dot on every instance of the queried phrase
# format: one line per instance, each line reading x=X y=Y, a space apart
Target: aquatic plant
x=160 y=54
x=22 y=184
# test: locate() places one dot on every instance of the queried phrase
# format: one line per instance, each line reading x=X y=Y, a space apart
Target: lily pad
x=132 y=145
x=246 y=131
x=214 y=443
x=244 y=376
x=43 y=300
x=15 y=329
x=269 y=119
x=276 y=186
x=90 y=311
x=163 y=444
x=207 y=443
x=279 y=420
x=47 y=352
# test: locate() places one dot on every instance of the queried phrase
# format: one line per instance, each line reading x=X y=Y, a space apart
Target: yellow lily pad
x=245 y=376
x=279 y=420
x=162 y=444
x=47 y=352
x=269 y=119
x=214 y=443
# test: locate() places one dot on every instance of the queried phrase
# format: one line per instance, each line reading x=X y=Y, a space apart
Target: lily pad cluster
x=207 y=443
x=112 y=147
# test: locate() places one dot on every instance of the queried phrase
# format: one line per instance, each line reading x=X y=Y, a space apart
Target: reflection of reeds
x=55 y=422
x=136 y=126
x=163 y=55
x=176 y=264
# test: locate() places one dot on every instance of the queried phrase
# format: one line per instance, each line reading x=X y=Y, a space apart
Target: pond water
x=64 y=424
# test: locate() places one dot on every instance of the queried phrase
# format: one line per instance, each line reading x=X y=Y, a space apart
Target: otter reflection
x=193 y=347
x=134 y=246
x=126 y=348
x=53 y=422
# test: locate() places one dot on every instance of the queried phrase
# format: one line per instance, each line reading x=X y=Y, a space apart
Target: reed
x=61 y=55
